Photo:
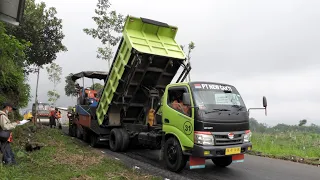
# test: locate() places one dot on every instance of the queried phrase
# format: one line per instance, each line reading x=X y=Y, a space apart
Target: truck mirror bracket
x=265 y=110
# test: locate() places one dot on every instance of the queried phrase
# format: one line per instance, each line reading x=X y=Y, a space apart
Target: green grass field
x=62 y=158
x=295 y=146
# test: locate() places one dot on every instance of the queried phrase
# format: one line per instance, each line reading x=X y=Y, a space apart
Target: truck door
x=177 y=118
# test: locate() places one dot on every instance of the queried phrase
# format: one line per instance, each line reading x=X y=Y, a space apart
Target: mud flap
x=196 y=162
x=238 y=158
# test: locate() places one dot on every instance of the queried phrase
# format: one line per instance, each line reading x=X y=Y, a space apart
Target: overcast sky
x=263 y=48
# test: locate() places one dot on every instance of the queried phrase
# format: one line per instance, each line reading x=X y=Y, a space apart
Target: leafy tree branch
x=43 y=29
x=109 y=25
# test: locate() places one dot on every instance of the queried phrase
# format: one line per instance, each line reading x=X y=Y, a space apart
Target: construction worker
x=178 y=104
x=58 y=118
x=6 y=126
x=52 y=119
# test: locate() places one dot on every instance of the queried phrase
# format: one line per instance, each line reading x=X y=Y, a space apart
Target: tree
x=54 y=72
x=302 y=122
x=109 y=25
x=191 y=46
x=255 y=126
x=13 y=86
x=43 y=29
x=70 y=87
x=97 y=86
x=70 y=108
x=53 y=96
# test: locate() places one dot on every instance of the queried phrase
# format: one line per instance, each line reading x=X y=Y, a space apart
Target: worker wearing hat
x=5 y=133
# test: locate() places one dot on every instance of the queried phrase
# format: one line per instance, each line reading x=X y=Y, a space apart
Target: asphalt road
x=253 y=168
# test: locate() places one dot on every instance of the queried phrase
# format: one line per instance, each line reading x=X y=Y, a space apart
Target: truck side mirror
x=186 y=99
x=264 y=102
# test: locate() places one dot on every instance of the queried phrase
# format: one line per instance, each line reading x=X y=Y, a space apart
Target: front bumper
x=216 y=151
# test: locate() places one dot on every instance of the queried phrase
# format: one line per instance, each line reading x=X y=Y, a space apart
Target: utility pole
x=36 y=99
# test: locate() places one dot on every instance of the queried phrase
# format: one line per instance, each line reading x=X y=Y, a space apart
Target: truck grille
x=222 y=139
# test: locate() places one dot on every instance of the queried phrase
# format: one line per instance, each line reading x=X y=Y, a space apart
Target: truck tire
x=74 y=131
x=71 y=131
x=79 y=134
x=125 y=139
x=93 y=140
x=173 y=156
x=85 y=135
x=222 y=161
x=115 y=140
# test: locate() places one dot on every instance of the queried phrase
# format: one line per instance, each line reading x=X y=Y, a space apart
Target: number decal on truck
x=187 y=128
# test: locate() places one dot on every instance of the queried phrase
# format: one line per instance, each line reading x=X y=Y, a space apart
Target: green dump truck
x=186 y=121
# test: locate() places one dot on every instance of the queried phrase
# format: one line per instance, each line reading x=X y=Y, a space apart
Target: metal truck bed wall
x=147 y=56
x=88 y=119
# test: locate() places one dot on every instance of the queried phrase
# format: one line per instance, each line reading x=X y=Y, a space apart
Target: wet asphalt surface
x=253 y=167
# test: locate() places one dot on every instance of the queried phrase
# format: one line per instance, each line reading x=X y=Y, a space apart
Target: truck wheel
x=115 y=140
x=86 y=136
x=222 y=161
x=79 y=134
x=70 y=129
x=93 y=140
x=173 y=156
x=74 y=131
x=125 y=139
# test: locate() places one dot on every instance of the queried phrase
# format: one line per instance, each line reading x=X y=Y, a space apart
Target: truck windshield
x=217 y=97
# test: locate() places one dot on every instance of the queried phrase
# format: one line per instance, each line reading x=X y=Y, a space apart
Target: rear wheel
x=70 y=130
x=93 y=140
x=173 y=156
x=79 y=134
x=74 y=130
x=115 y=140
x=222 y=161
x=125 y=139
x=86 y=135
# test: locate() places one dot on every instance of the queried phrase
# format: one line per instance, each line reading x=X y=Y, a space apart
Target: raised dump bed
x=147 y=58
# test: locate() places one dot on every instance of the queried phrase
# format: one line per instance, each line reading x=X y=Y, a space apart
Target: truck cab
x=209 y=119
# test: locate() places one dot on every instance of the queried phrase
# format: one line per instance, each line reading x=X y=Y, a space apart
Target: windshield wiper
x=216 y=110
x=239 y=107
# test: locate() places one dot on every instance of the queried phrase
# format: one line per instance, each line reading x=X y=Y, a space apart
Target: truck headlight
x=247 y=136
x=203 y=138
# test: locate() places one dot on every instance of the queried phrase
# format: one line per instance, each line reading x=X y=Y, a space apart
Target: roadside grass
x=294 y=146
x=61 y=157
